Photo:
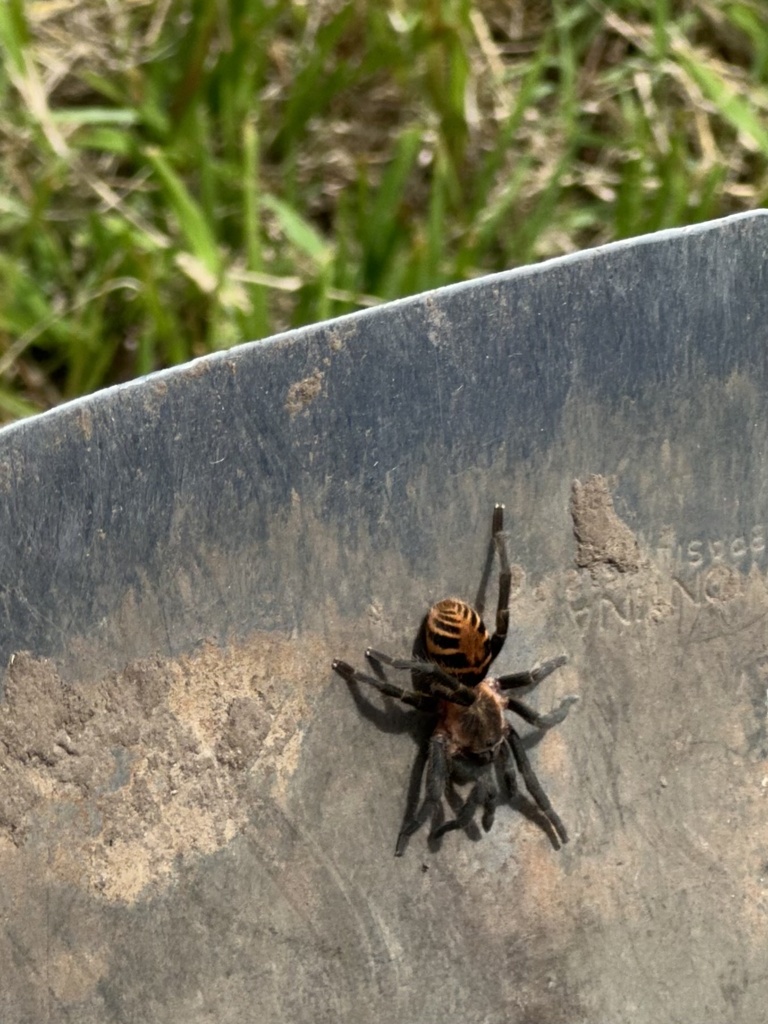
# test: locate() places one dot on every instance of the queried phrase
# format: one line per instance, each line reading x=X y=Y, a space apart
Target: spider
x=473 y=741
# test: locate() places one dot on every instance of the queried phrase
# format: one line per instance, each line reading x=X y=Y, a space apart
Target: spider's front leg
x=417 y=700
x=434 y=787
x=532 y=677
x=552 y=718
x=497 y=546
x=505 y=583
x=443 y=684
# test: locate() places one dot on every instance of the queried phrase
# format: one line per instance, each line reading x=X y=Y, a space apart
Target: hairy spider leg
x=418 y=700
x=505 y=584
x=498 y=546
x=445 y=686
x=532 y=676
x=377 y=668
x=507 y=762
x=434 y=786
x=489 y=806
x=497 y=525
x=515 y=744
x=552 y=718
x=485 y=793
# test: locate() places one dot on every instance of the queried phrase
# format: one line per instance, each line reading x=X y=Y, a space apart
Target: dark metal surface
x=125 y=490
x=316 y=492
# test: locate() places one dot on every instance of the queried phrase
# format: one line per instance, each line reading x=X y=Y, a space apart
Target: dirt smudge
x=602 y=537
x=303 y=392
x=153 y=763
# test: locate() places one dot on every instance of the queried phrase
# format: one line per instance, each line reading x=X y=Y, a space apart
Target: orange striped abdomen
x=456 y=639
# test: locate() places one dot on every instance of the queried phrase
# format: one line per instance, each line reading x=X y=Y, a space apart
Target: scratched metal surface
x=197 y=819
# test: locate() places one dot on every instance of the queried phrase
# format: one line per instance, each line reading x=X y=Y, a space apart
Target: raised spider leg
x=532 y=783
x=532 y=676
x=445 y=686
x=436 y=777
x=505 y=583
x=351 y=675
x=497 y=524
x=552 y=718
x=377 y=667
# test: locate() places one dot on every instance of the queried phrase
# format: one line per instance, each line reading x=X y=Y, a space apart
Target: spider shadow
x=394 y=719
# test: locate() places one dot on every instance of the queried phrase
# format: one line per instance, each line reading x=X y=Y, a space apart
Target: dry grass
x=179 y=176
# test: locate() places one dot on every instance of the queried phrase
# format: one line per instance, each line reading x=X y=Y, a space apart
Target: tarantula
x=473 y=741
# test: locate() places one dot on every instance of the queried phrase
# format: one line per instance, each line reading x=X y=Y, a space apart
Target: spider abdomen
x=456 y=639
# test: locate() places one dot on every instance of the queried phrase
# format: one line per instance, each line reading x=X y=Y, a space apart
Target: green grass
x=181 y=176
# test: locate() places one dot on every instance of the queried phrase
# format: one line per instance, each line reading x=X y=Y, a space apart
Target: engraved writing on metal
x=739 y=552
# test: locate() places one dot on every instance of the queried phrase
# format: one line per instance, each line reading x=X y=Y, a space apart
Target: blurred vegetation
x=181 y=175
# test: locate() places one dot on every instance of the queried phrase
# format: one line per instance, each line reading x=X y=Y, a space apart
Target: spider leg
x=466 y=812
x=532 y=676
x=413 y=665
x=505 y=583
x=508 y=770
x=444 y=686
x=533 y=785
x=553 y=717
x=377 y=667
x=436 y=778
x=489 y=805
x=497 y=524
x=351 y=675
x=484 y=793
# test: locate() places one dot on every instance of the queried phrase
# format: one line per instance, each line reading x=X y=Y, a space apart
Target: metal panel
x=197 y=819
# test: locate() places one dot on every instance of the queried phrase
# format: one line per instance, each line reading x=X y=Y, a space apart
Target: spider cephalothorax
x=473 y=740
